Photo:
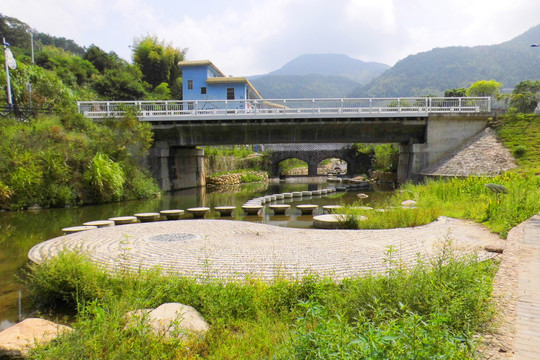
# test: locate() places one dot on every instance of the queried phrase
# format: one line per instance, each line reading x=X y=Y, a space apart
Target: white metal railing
x=203 y=109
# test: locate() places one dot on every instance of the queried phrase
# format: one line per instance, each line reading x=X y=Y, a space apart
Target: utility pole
x=32 y=42
x=8 y=56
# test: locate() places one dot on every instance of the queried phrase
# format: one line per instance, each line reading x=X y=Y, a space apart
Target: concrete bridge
x=425 y=128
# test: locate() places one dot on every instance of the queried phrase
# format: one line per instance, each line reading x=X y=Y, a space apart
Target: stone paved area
x=527 y=341
x=233 y=250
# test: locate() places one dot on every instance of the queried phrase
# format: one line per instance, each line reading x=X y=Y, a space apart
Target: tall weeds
x=431 y=311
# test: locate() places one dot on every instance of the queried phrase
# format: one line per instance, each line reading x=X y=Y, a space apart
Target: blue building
x=202 y=80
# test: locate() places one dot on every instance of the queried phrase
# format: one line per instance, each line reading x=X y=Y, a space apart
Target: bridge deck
x=202 y=110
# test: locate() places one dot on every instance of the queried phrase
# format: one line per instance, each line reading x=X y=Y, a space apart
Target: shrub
x=520 y=150
x=105 y=177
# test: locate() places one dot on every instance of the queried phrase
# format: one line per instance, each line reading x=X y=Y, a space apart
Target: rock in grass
x=16 y=341
x=408 y=203
x=170 y=319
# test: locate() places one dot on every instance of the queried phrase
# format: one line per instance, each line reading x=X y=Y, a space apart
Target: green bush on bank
x=431 y=311
x=66 y=159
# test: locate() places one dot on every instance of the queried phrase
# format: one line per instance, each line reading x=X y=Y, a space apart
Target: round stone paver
x=307 y=209
x=252 y=209
x=198 y=212
x=279 y=209
x=76 y=229
x=229 y=249
x=173 y=214
x=225 y=210
x=147 y=217
x=123 y=220
x=99 y=223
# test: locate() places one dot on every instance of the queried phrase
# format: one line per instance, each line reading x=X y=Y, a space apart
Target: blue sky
x=249 y=37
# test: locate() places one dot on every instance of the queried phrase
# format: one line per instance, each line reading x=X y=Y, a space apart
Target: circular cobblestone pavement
x=231 y=249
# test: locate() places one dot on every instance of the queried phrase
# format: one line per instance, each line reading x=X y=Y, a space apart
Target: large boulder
x=17 y=340
x=170 y=319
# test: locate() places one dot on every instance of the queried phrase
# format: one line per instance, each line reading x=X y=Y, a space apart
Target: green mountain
x=317 y=75
x=303 y=86
x=434 y=71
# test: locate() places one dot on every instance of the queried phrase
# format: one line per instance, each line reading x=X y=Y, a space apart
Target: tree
x=158 y=63
x=525 y=96
x=120 y=84
x=484 y=88
x=100 y=59
x=461 y=92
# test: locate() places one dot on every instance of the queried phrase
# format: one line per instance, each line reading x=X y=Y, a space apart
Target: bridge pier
x=405 y=162
x=176 y=168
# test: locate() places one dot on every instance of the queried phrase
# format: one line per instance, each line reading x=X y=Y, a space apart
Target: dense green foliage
x=525 y=96
x=467 y=198
x=384 y=157
x=158 y=63
x=521 y=134
x=64 y=72
x=70 y=160
x=483 y=88
x=288 y=165
x=430 y=311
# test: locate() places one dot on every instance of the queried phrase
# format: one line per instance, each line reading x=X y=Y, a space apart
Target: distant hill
x=317 y=75
x=434 y=71
x=303 y=86
x=332 y=65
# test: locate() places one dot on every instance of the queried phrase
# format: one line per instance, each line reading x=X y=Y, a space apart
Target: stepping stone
x=328 y=221
x=341 y=188
x=307 y=209
x=99 y=223
x=198 y=212
x=362 y=196
x=122 y=220
x=306 y=193
x=408 y=203
x=172 y=214
x=330 y=190
x=76 y=229
x=225 y=210
x=331 y=208
x=268 y=199
x=273 y=197
x=316 y=192
x=287 y=195
x=251 y=209
x=279 y=209
x=324 y=191
x=148 y=217
x=279 y=196
x=297 y=194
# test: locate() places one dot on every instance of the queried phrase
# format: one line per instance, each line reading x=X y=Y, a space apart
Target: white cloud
x=246 y=37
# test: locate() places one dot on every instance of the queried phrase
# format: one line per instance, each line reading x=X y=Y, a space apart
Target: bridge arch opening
x=335 y=166
x=293 y=167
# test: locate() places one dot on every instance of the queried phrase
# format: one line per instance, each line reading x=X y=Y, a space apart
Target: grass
x=430 y=311
x=520 y=133
x=460 y=198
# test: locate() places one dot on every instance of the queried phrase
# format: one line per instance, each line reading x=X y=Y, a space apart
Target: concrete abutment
x=176 y=168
